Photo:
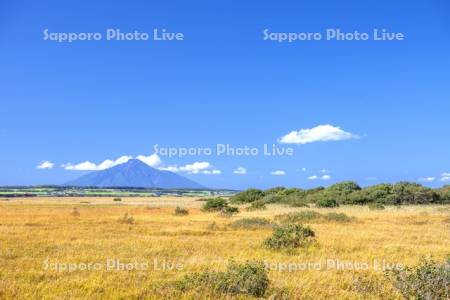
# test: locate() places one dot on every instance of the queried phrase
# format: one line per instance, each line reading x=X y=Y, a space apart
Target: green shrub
x=117 y=199
x=228 y=211
x=248 y=196
x=126 y=219
x=428 y=280
x=251 y=223
x=257 y=205
x=295 y=200
x=180 y=211
x=338 y=217
x=376 y=206
x=289 y=236
x=270 y=199
x=298 y=217
x=214 y=204
x=327 y=203
x=249 y=278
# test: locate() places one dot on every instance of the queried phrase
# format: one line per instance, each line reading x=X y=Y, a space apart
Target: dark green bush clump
x=428 y=280
x=214 y=204
x=180 y=211
x=289 y=236
x=257 y=205
x=348 y=192
x=251 y=223
x=248 y=196
x=327 y=203
x=117 y=199
x=228 y=211
x=249 y=278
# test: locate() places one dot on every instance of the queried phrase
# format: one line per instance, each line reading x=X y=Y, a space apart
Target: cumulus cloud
x=45 y=165
x=321 y=133
x=240 y=171
x=427 y=179
x=278 y=173
x=152 y=160
x=198 y=167
x=90 y=166
x=323 y=177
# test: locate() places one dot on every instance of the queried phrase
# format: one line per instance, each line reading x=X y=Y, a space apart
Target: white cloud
x=303 y=169
x=323 y=177
x=151 y=160
x=321 y=133
x=324 y=171
x=445 y=177
x=212 y=172
x=198 y=167
x=240 y=171
x=427 y=179
x=45 y=165
x=90 y=166
x=278 y=173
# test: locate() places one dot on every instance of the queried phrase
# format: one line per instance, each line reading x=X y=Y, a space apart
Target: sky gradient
x=68 y=103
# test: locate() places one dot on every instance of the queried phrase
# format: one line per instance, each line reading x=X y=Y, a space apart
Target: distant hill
x=134 y=173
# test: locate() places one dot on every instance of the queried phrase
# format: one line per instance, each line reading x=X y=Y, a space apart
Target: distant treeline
x=348 y=192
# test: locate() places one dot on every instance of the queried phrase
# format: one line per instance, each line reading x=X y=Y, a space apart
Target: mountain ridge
x=134 y=173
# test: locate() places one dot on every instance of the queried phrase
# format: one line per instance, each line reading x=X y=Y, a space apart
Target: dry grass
x=39 y=229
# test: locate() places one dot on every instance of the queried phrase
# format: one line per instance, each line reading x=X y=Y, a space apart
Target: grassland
x=40 y=233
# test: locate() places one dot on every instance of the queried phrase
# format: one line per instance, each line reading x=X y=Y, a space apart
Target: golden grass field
x=39 y=231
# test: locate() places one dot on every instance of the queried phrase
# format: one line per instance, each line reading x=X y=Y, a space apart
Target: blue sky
x=387 y=102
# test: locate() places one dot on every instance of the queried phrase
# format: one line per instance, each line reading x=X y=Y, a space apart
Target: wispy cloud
x=321 y=133
x=427 y=179
x=445 y=177
x=323 y=177
x=198 y=167
x=240 y=171
x=45 y=165
x=278 y=173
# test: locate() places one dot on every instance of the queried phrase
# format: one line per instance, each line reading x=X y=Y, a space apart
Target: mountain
x=134 y=173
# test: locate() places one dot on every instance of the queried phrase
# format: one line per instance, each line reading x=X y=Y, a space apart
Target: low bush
x=249 y=278
x=257 y=205
x=117 y=199
x=295 y=200
x=214 y=204
x=327 y=203
x=427 y=280
x=248 y=196
x=251 y=223
x=228 y=211
x=126 y=219
x=180 y=211
x=298 y=217
x=338 y=217
x=289 y=236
